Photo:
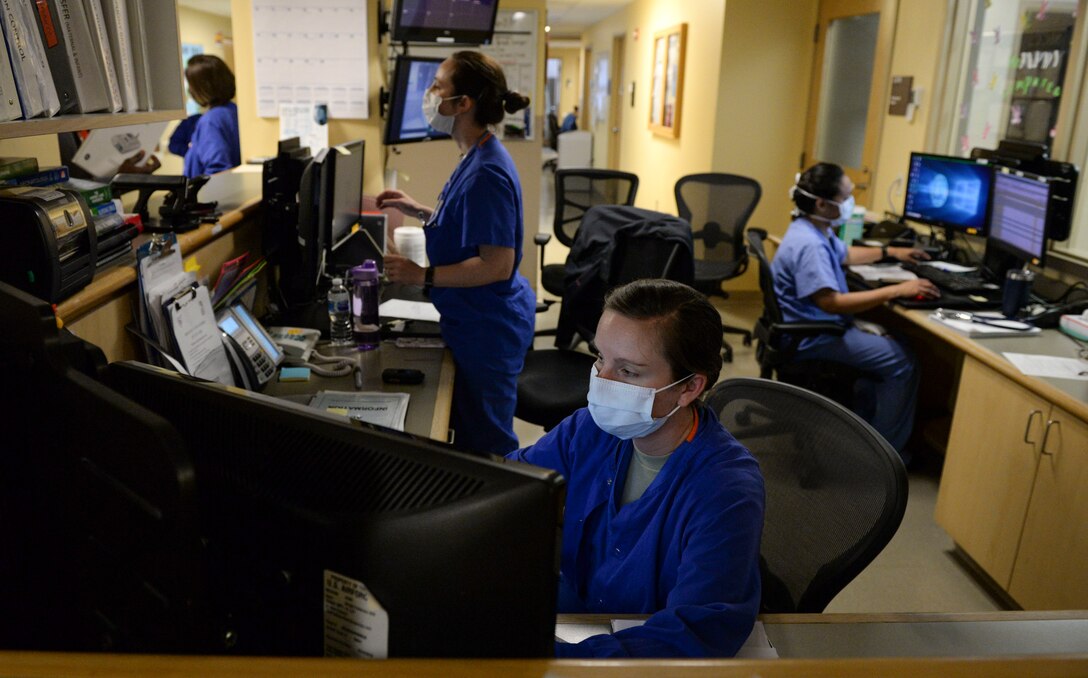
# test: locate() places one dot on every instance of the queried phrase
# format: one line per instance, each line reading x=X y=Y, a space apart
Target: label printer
x=48 y=241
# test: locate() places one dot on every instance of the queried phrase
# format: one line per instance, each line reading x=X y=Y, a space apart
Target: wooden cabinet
x=1014 y=490
x=988 y=471
x=1051 y=571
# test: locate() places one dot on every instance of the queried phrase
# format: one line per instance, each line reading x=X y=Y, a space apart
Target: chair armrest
x=808 y=329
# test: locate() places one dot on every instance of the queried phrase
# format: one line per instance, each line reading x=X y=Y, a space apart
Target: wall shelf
x=74 y=123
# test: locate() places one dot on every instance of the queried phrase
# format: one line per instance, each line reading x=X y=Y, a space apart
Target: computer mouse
x=919 y=297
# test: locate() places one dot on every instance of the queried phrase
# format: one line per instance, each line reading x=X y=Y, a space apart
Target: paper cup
x=411 y=243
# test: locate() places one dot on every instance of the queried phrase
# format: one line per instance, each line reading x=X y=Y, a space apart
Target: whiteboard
x=312 y=52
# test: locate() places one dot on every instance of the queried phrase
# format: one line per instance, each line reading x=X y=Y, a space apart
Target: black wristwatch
x=428 y=278
x=422 y=216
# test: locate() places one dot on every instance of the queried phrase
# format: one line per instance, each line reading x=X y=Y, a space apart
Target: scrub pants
x=894 y=395
x=482 y=414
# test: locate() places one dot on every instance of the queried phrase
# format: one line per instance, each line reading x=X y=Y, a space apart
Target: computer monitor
x=460 y=551
x=347 y=191
x=1018 y=215
x=411 y=79
x=444 y=21
x=952 y=193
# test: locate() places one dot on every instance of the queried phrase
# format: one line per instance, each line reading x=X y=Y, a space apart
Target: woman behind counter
x=664 y=507
x=474 y=237
x=209 y=141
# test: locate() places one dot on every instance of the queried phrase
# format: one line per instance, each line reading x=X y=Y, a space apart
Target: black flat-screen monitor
x=463 y=22
x=1018 y=215
x=347 y=191
x=948 y=192
x=411 y=79
x=313 y=524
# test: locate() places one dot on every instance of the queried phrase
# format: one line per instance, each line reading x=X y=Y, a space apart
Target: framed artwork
x=667 y=89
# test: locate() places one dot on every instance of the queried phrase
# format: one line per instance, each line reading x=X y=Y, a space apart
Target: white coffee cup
x=411 y=243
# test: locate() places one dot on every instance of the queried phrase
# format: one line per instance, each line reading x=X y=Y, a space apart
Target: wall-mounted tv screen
x=455 y=22
x=411 y=78
x=949 y=192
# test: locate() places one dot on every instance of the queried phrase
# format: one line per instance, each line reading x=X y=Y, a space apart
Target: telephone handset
x=253 y=355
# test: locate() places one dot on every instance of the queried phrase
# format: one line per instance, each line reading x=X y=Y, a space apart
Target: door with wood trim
x=850 y=84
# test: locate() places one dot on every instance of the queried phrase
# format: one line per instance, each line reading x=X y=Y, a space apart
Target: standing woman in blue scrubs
x=474 y=238
x=213 y=146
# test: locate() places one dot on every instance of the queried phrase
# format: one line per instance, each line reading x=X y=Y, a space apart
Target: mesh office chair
x=777 y=340
x=836 y=490
x=718 y=207
x=619 y=244
x=576 y=190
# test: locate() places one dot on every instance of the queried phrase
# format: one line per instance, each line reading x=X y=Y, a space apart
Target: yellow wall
x=659 y=161
x=916 y=52
x=765 y=79
x=259 y=135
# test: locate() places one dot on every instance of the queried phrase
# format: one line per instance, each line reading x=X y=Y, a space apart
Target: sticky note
x=294 y=374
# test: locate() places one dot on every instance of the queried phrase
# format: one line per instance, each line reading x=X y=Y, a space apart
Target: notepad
x=294 y=374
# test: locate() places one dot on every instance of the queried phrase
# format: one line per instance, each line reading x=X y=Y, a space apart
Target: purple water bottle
x=364 y=305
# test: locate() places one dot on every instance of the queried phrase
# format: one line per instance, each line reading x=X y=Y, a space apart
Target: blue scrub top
x=686 y=551
x=214 y=145
x=807 y=261
x=481 y=204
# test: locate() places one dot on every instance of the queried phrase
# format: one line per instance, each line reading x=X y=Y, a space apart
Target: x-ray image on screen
x=949 y=192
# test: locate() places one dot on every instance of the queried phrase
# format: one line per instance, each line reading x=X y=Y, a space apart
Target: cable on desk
x=325 y=365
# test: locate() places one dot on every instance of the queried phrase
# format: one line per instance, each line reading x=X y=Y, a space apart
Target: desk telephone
x=253 y=355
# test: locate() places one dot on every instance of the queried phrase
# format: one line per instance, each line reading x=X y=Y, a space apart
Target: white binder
x=116 y=16
x=97 y=20
x=9 y=96
x=83 y=56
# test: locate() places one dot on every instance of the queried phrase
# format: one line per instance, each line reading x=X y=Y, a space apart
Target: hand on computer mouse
x=919 y=288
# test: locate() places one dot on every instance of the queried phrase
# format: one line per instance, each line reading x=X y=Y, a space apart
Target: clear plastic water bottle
x=364 y=305
x=339 y=313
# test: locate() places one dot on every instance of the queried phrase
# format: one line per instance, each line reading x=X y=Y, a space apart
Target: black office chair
x=777 y=340
x=617 y=244
x=576 y=190
x=836 y=490
x=718 y=207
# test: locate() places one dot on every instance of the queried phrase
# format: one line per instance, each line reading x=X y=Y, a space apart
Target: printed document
x=373 y=407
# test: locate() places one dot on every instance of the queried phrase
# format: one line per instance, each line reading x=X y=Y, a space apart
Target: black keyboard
x=957 y=283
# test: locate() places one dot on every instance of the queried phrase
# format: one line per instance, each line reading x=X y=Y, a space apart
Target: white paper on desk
x=103 y=151
x=883 y=272
x=198 y=338
x=949 y=267
x=1051 y=366
x=409 y=310
x=373 y=407
x=973 y=329
x=756 y=646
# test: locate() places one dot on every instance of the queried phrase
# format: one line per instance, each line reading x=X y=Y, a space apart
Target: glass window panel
x=844 y=89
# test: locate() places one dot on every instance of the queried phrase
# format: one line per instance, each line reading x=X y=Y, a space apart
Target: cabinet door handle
x=1027 y=429
x=1046 y=435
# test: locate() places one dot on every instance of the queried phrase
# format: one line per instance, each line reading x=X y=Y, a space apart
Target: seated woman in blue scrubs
x=664 y=507
x=811 y=286
x=213 y=145
x=474 y=238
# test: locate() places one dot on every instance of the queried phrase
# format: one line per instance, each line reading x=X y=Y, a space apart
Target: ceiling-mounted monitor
x=452 y=22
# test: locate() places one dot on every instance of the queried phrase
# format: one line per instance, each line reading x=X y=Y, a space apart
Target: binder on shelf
x=71 y=19
x=56 y=53
x=29 y=64
x=161 y=45
x=100 y=39
x=9 y=96
x=116 y=16
x=140 y=64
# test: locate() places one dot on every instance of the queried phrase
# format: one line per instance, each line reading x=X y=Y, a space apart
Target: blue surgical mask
x=625 y=410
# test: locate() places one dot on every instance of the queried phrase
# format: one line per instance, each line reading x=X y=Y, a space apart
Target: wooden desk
x=1058 y=640
x=1012 y=488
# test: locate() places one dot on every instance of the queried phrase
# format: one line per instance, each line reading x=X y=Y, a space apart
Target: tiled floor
x=916 y=572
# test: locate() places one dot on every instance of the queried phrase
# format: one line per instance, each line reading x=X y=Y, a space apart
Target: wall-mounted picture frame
x=667 y=88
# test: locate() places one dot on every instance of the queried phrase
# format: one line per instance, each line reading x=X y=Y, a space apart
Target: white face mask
x=846 y=207
x=441 y=123
x=625 y=410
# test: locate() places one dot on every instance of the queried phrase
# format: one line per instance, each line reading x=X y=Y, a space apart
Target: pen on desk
x=358 y=373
